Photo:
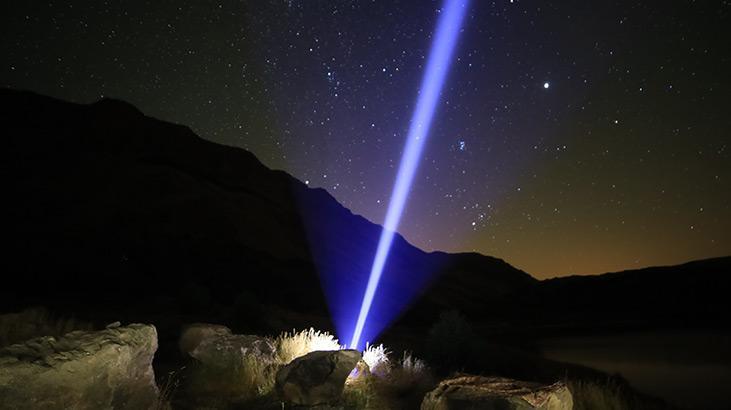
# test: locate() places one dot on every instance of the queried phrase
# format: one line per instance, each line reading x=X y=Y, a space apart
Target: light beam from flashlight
x=442 y=47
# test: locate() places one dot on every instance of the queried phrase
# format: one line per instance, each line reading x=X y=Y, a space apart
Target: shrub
x=450 y=343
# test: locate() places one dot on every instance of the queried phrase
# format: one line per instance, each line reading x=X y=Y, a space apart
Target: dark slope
x=694 y=294
x=110 y=211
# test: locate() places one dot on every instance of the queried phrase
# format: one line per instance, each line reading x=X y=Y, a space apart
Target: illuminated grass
x=293 y=345
x=376 y=357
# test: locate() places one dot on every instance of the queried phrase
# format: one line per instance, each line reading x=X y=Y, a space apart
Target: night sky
x=572 y=136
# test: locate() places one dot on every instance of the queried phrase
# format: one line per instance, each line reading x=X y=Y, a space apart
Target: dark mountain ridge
x=109 y=212
x=105 y=204
x=693 y=294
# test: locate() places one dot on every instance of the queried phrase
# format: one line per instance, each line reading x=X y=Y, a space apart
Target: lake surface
x=686 y=369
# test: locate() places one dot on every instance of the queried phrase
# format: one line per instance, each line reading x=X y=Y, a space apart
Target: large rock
x=195 y=334
x=108 y=369
x=216 y=346
x=228 y=367
x=317 y=377
x=476 y=392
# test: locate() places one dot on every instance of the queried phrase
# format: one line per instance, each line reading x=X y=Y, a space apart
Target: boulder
x=107 y=369
x=317 y=377
x=227 y=367
x=478 y=392
x=215 y=346
x=195 y=334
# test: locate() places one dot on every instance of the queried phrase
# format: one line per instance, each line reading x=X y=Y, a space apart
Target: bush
x=450 y=343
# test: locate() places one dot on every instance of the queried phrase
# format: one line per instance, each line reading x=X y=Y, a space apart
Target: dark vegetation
x=111 y=215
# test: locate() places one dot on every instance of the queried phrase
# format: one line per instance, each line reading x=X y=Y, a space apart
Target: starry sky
x=572 y=137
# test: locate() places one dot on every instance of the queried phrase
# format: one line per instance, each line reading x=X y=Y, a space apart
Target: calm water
x=687 y=369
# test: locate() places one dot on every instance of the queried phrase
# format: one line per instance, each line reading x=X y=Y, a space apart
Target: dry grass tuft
x=376 y=357
x=296 y=344
x=166 y=392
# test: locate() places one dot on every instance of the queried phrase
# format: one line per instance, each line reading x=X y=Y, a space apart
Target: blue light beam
x=442 y=47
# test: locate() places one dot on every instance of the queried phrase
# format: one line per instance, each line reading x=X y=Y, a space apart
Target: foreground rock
x=105 y=369
x=216 y=346
x=227 y=367
x=317 y=377
x=477 y=392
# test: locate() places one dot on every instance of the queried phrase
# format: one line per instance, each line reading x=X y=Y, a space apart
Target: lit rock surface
x=317 y=377
x=108 y=369
x=477 y=392
x=225 y=365
x=216 y=346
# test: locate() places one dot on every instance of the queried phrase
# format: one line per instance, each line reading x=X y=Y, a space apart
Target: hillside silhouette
x=113 y=214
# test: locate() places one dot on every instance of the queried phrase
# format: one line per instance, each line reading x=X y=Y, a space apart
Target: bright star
x=546 y=85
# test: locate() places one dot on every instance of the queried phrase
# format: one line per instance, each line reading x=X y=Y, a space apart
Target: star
x=331 y=106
